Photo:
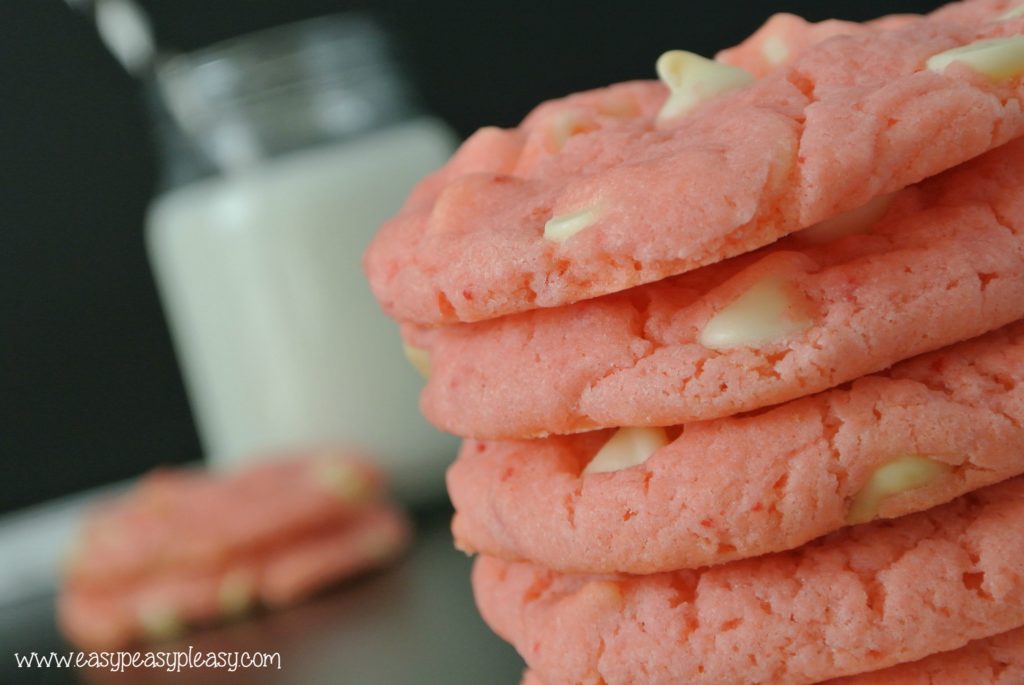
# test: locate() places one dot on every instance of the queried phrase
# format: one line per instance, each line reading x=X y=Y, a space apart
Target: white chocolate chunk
x=775 y=50
x=620 y=107
x=999 y=59
x=602 y=593
x=160 y=622
x=628 y=447
x=859 y=220
x=236 y=594
x=770 y=309
x=342 y=479
x=693 y=79
x=784 y=157
x=560 y=228
x=1011 y=14
x=419 y=358
x=566 y=124
x=899 y=475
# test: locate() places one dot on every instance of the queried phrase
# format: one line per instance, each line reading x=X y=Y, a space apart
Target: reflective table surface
x=413 y=623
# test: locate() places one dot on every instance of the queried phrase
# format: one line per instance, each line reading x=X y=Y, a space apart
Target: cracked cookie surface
x=749 y=485
x=933 y=264
x=861 y=600
x=849 y=119
x=996 y=660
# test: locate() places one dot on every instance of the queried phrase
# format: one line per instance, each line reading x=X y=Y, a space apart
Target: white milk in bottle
x=309 y=141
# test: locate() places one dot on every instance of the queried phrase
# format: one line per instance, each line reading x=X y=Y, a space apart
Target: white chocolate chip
x=236 y=594
x=768 y=310
x=999 y=59
x=859 y=220
x=342 y=479
x=601 y=593
x=160 y=622
x=784 y=156
x=619 y=107
x=899 y=475
x=560 y=228
x=775 y=50
x=566 y=124
x=693 y=79
x=419 y=358
x=628 y=447
x=1011 y=14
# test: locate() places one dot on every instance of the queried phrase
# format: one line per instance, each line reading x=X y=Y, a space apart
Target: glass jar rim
x=265 y=93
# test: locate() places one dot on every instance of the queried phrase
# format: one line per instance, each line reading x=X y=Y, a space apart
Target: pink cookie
x=902 y=441
x=784 y=36
x=179 y=518
x=590 y=195
x=862 y=600
x=996 y=660
x=164 y=603
x=934 y=264
x=186 y=549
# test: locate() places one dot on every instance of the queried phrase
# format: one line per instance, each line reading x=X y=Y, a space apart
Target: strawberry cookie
x=996 y=660
x=865 y=599
x=613 y=188
x=186 y=548
x=933 y=264
x=642 y=500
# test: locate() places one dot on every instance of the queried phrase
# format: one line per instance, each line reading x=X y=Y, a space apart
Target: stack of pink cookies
x=187 y=548
x=739 y=357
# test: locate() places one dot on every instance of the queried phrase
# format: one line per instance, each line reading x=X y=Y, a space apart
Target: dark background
x=89 y=389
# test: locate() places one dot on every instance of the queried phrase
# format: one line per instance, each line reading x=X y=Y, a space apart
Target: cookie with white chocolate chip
x=865 y=599
x=911 y=272
x=184 y=548
x=643 y=500
x=784 y=36
x=995 y=660
x=610 y=189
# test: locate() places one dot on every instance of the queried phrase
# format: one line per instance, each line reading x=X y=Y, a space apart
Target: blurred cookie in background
x=187 y=548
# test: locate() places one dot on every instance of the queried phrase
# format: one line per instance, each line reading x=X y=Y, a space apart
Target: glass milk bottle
x=284 y=151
